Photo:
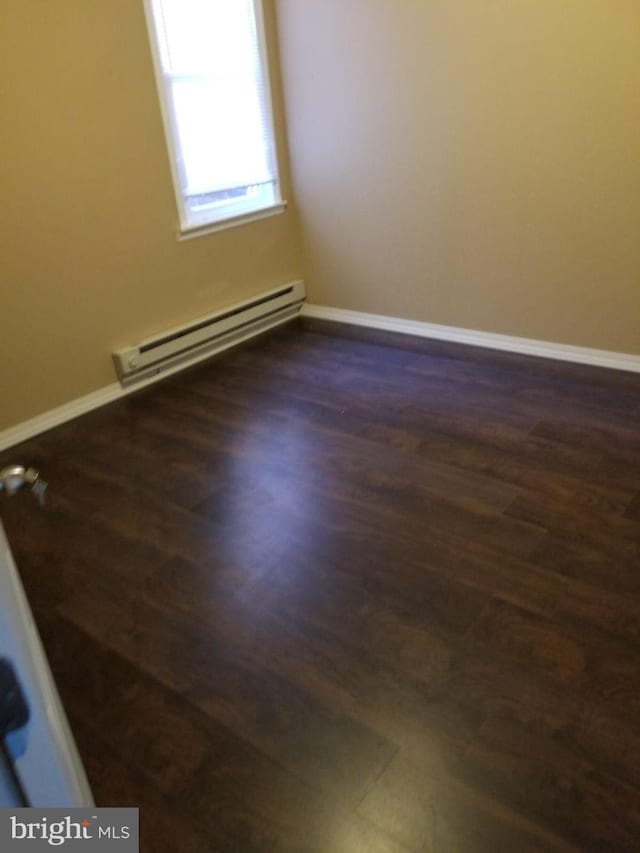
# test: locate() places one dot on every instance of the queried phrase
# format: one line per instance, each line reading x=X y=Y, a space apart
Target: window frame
x=188 y=229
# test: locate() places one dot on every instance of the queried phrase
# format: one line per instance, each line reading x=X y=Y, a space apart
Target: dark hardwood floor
x=329 y=594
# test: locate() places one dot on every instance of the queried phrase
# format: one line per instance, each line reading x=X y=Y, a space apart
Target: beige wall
x=88 y=253
x=465 y=162
x=470 y=162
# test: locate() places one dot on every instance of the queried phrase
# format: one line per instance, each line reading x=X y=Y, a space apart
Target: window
x=211 y=65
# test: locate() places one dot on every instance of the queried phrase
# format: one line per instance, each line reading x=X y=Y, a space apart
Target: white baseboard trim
x=109 y=393
x=470 y=337
x=60 y=415
x=525 y=346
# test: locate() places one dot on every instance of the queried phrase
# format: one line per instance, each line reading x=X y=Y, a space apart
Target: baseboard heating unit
x=207 y=335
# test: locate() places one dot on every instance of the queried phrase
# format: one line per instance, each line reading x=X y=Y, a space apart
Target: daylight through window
x=212 y=71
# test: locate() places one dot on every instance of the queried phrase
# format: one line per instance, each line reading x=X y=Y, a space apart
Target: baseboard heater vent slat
x=207 y=335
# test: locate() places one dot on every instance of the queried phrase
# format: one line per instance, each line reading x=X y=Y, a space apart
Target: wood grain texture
x=343 y=591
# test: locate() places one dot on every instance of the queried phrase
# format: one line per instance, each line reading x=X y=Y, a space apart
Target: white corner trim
x=470 y=337
x=525 y=346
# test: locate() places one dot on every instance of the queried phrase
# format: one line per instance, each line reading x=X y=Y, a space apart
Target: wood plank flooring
x=343 y=591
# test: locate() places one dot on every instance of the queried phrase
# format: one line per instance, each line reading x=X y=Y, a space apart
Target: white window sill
x=188 y=232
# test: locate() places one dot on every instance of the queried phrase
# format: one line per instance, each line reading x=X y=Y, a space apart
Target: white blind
x=215 y=78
